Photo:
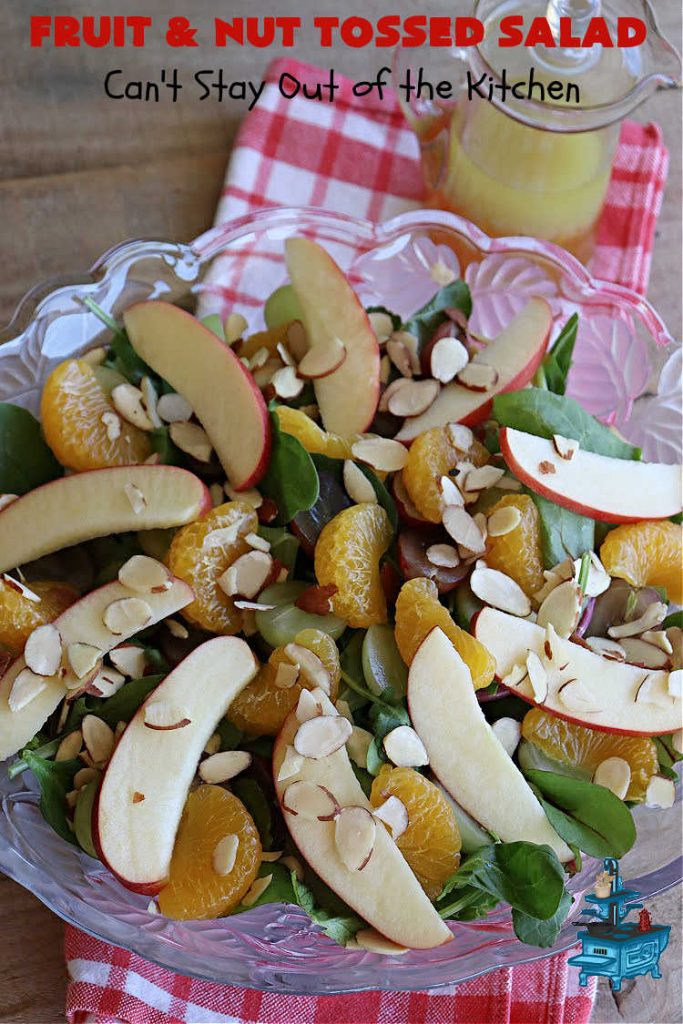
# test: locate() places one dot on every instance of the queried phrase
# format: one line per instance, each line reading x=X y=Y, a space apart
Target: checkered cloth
x=358 y=156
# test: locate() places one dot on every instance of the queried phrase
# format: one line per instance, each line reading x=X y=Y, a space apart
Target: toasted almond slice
x=448 y=357
x=150 y=400
x=344 y=709
x=69 y=748
x=444 y=555
x=659 y=639
x=43 y=650
x=482 y=477
x=286 y=383
x=173 y=408
x=538 y=677
x=405 y=748
x=217 y=495
x=225 y=854
x=499 y=591
x=291 y=763
x=98 y=738
x=107 y=682
x=257 y=542
x=574 y=695
x=503 y=520
x=127 y=615
x=129 y=659
x=413 y=399
x=384 y=370
x=614 y=773
x=138 y=502
x=606 y=648
x=128 y=402
x=221 y=767
x=677 y=741
x=516 y=676
x=307 y=707
x=286 y=675
x=145 y=575
x=112 y=424
x=84 y=775
x=213 y=744
x=462 y=528
x=660 y=792
x=322 y=736
x=25 y=688
x=639 y=652
x=509 y=483
x=357 y=485
x=284 y=354
x=598 y=577
x=20 y=588
x=461 y=437
x=247 y=575
x=310 y=666
x=412 y=346
x=374 y=942
x=651 y=617
x=234 y=328
x=163 y=716
x=254 y=606
x=675 y=684
x=295 y=865
x=381 y=453
x=566 y=447
x=508 y=732
x=478 y=377
x=382 y=325
x=322 y=360
x=358 y=745
x=71 y=799
x=95 y=356
x=257 y=890
x=176 y=629
x=650 y=691
x=191 y=439
x=270 y=856
x=393 y=812
x=252 y=496
x=259 y=358
x=400 y=356
x=450 y=492
x=390 y=391
x=310 y=801
x=355 y=831
x=562 y=608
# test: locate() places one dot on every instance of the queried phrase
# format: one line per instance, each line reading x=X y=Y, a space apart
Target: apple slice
x=598 y=486
x=347 y=397
x=385 y=892
x=210 y=377
x=608 y=697
x=156 y=759
x=83 y=622
x=515 y=354
x=464 y=752
x=96 y=503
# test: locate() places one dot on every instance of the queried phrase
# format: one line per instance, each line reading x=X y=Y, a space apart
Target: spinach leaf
x=124 y=358
x=55 y=779
x=667 y=756
x=335 y=467
x=252 y=796
x=280 y=889
x=394 y=317
x=164 y=447
x=423 y=323
x=544 y=413
x=283 y=545
x=675 y=619
x=364 y=778
x=291 y=479
x=535 y=932
x=351 y=661
x=564 y=534
x=25 y=459
x=385 y=718
x=585 y=815
x=120 y=707
x=558 y=361
x=230 y=735
x=337 y=924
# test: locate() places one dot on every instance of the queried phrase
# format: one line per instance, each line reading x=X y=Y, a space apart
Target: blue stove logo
x=611 y=946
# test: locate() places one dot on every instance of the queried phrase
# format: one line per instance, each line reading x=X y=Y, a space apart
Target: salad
x=361 y=615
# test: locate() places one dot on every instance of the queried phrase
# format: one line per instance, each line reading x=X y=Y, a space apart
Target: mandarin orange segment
x=574 y=744
x=268 y=339
x=20 y=615
x=518 y=553
x=194 y=890
x=418 y=611
x=312 y=437
x=201 y=552
x=347 y=556
x=72 y=408
x=262 y=706
x=431 y=843
x=648 y=553
x=431 y=456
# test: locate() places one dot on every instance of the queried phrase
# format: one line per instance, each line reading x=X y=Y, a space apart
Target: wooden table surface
x=80 y=172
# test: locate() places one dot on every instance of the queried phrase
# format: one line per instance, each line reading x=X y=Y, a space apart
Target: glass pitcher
x=533 y=165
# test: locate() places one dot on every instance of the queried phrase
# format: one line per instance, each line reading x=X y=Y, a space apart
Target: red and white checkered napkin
x=358 y=156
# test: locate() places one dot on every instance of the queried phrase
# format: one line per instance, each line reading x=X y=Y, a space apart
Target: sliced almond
x=150 y=400
x=130 y=660
x=448 y=357
x=462 y=528
x=503 y=520
x=247 y=575
x=95 y=356
x=393 y=812
x=674 y=684
x=322 y=360
x=344 y=709
x=450 y=492
x=138 y=502
x=482 y=477
x=660 y=792
x=251 y=496
x=84 y=775
x=83 y=658
x=357 y=485
x=538 y=677
x=399 y=354
x=257 y=890
x=164 y=716
x=191 y=439
x=639 y=652
x=404 y=747
x=677 y=741
x=292 y=763
x=254 y=606
x=310 y=801
x=561 y=608
x=322 y=736
x=173 y=408
x=112 y=424
x=509 y=483
x=443 y=555
x=381 y=453
x=176 y=629
x=575 y=697
x=508 y=732
x=307 y=707
x=145 y=575
x=651 y=617
x=516 y=676
x=499 y=591
x=25 y=688
x=127 y=615
x=384 y=370
x=128 y=402
x=358 y=745
x=98 y=738
x=234 y=328
x=286 y=675
x=257 y=542
x=259 y=358
x=461 y=437
x=374 y=942
x=414 y=398
x=270 y=856
x=70 y=747
x=598 y=577
x=651 y=691
x=478 y=377
x=310 y=666
x=566 y=447
x=213 y=744
x=658 y=638
x=614 y=773
x=382 y=325
x=107 y=682
x=286 y=383
x=225 y=854
x=355 y=831
x=20 y=588
x=284 y=354
x=606 y=648
x=220 y=767
x=390 y=391
x=43 y=650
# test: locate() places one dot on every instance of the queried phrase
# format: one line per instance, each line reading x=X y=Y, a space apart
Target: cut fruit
x=424 y=553
x=135 y=838
x=312 y=437
x=195 y=891
x=348 y=555
x=79 y=507
x=330 y=309
x=576 y=745
x=646 y=554
x=20 y=615
x=515 y=354
x=81 y=622
x=281 y=625
x=431 y=842
x=418 y=611
x=80 y=424
x=384 y=670
x=610 y=490
x=432 y=455
x=187 y=355
x=583 y=687
x=518 y=552
x=465 y=754
x=409 y=921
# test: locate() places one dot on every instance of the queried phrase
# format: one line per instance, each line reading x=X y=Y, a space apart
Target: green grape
x=214 y=323
x=530 y=757
x=282 y=306
x=156 y=543
x=108 y=379
x=385 y=671
x=281 y=625
x=83 y=817
x=465 y=604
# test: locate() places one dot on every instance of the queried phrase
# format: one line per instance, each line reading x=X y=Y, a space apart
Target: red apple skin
x=145 y=889
x=404 y=513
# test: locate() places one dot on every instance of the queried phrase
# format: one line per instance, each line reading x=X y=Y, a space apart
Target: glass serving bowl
x=627 y=371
